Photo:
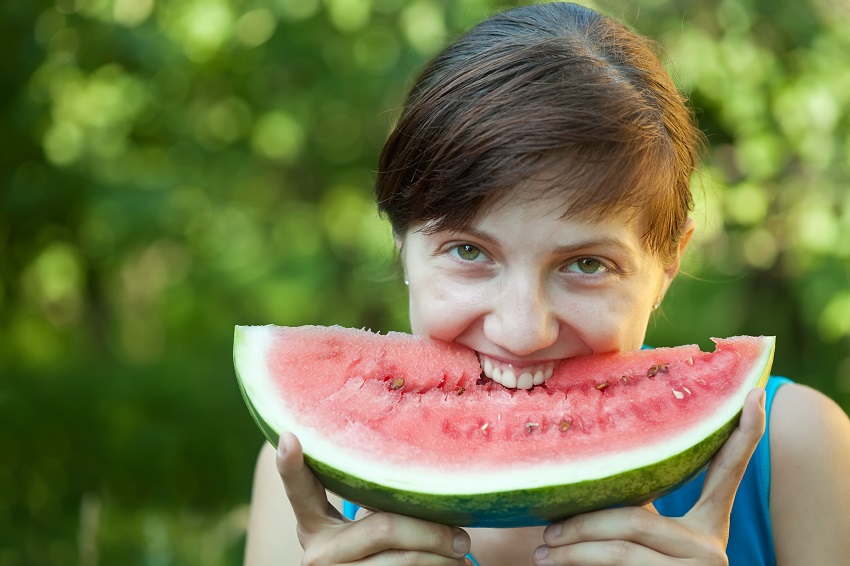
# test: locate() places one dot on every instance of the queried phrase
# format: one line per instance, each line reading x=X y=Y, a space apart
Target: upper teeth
x=514 y=377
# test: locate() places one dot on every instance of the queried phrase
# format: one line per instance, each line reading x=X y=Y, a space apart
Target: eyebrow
x=566 y=249
x=598 y=243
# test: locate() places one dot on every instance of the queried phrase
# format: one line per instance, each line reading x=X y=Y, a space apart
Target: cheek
x=608 y=322
x=631 y=320
x=443 y=312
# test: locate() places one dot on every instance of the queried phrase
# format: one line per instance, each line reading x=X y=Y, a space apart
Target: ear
x=672 y=270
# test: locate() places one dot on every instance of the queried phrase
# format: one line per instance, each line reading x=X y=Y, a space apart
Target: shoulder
x=803 y=420
x=270 y=535
x=809 y=456
x=806 y=426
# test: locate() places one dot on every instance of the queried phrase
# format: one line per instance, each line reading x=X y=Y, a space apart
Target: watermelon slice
x=406 y=424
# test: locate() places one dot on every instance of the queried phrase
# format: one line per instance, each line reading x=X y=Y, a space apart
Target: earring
x=406 y=282
x=657 y=304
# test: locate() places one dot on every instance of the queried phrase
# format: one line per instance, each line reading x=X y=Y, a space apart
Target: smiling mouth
x=514 y=377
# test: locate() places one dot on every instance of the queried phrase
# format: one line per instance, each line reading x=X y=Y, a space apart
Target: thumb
x=729 y=464
x=305 y=492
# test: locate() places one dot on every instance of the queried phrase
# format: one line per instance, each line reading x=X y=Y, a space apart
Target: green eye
x=590 y=265
x=468 y=252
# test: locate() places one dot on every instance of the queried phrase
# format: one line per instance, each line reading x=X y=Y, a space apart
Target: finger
x=729 y=464
x=383 y=531
x=402 y=557
x=627 y=524
x=601 y=553
x=306 y=494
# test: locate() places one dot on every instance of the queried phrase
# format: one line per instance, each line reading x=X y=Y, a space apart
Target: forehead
x=541 y=199
x=544 y=222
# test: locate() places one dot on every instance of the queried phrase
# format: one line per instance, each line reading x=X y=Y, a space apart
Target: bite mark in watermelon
x=405 y=424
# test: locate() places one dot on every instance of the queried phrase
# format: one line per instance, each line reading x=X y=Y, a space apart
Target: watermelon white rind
x=539 y=494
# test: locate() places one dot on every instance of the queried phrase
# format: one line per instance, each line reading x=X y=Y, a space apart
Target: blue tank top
x=750 y=534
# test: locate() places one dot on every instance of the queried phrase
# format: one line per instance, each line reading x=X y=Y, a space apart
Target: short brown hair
x=548 y=90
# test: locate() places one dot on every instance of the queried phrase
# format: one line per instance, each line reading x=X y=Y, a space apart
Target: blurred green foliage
x=172 y=168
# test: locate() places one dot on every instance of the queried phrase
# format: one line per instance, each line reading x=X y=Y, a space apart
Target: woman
x=538 y=187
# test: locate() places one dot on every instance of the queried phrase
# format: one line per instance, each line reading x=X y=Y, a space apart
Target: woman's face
x=526 y=288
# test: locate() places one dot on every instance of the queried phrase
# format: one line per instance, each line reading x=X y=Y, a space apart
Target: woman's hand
x=639 y=535
x=375 y=540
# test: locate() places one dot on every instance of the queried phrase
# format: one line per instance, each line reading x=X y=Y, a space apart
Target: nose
x=521 y=319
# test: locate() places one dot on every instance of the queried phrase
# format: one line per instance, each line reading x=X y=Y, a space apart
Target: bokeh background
x=171 y=168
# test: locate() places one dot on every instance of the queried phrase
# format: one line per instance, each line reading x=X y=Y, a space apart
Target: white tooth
x=549 y=371
x=508 y=379
x=525 y=381
x=488 y=367
x=497 y=375
x=538 y=378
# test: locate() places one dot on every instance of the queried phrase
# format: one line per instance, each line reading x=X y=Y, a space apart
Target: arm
x=810 y=488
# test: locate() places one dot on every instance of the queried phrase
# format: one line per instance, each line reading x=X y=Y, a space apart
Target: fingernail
x=281 y=449
x=763 y=398
x=461 y=543
x=541 y=552
x=553 y=531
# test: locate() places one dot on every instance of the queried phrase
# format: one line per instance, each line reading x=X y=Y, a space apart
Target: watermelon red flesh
x=394 y=411
x=434 y=408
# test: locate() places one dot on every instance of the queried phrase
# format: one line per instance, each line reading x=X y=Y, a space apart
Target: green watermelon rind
x=522 y=507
